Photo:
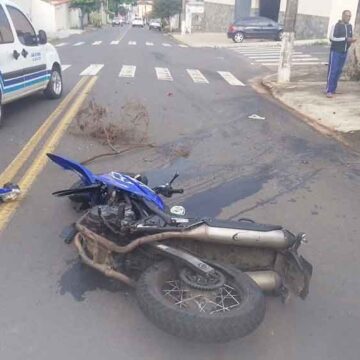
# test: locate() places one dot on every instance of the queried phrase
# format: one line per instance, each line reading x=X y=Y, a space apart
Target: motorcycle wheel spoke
x=212 y=302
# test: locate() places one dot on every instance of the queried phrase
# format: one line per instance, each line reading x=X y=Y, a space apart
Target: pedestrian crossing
x=270 y=55
x=127 y=71
x=163 y=74
x=92 y=70
x=117 y=42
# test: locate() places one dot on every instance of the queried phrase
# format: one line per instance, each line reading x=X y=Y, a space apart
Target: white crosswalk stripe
x=149 y=43
x=294 y=60
x=132 y=42
x=92 y=70
x=230 y=78
x=270 y=55
x=96 y=43
x=166 y=45
x=277 y=56
x=298 y=63
x=115 y=42
x=127 y=71
x=79 y=43
x=183 y=45
x=197 y=76
x=163 y=74
x=61 y=44
x=64 y=67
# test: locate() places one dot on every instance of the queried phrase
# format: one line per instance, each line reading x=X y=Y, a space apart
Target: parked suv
x=255 y=27
x=28 y=63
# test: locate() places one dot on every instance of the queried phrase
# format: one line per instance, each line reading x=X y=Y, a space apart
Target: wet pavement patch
x=209 y=203
x=79 y=279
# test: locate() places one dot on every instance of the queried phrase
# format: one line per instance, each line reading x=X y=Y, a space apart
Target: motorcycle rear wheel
x=221 y=315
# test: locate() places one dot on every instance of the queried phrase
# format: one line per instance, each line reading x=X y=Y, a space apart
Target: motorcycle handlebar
x=177 y=191
x=167 y=191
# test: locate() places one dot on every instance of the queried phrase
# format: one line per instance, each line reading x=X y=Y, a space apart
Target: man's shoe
x=329 y=95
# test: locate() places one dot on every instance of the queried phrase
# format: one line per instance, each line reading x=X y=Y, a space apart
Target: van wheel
x=54 y=88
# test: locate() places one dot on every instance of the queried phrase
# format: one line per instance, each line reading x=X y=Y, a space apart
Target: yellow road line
x=9 y=173
x=123 y=35
x=8 y=210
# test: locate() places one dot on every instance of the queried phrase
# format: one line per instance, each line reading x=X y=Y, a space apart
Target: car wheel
x=54 y=88
x=238 y=37
x=280 y=36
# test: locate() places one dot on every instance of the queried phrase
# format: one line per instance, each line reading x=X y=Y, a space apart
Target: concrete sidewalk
x=63 y=34
x=220 y=40
x=338 y=117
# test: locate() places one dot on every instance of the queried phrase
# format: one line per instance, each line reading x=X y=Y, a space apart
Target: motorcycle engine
x=116 y=219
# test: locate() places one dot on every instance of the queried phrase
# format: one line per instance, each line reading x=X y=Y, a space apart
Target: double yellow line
x=77 y=96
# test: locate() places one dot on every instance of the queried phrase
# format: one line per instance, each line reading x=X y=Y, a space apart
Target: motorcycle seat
x=241 y=225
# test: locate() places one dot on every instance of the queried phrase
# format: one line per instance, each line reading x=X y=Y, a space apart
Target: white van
x=27 y=62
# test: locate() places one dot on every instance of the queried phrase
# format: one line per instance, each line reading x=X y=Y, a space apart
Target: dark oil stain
x=79 y=279
x=209 y=203
x=314 y=212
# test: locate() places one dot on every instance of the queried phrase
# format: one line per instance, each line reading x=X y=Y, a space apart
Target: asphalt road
x=276 y=170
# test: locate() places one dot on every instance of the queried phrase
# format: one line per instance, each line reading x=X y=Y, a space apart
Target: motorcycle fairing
x=131 y=185
x=115 y=179
x=85 y=174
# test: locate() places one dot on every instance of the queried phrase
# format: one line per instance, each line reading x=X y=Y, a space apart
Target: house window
x=6 y=35
x=24 y=29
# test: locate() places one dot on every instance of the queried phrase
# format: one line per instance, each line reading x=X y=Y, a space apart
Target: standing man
x=341 y=40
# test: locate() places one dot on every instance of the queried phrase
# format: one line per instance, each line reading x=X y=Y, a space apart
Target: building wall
x=75 y=18
x=25 y=6
x=311 y=7
x=62 y=17
x=313 y=18
x=218 y=16
x=43 y=16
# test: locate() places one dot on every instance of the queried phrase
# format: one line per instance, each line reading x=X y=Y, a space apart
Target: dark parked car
x=255 y=27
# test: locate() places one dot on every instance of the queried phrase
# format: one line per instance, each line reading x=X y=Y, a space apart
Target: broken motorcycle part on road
x=9 y=192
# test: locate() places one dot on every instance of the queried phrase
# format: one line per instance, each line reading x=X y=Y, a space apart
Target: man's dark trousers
x=336 y=64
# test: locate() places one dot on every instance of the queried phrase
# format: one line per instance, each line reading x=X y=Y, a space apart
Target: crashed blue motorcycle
x=198 y=278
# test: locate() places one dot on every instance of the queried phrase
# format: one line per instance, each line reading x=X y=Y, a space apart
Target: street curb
x=263 y=85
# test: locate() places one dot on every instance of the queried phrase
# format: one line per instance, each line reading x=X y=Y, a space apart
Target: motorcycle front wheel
x=231 y=311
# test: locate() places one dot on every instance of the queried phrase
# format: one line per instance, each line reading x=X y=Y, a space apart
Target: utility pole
x=287 y=45
x=183 y=15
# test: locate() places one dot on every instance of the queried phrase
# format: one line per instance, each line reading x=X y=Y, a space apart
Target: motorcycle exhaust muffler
x=274 y=239
x=267 y=281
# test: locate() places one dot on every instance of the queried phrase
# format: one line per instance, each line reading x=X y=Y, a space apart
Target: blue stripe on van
x=24 y=78
x=30 y=83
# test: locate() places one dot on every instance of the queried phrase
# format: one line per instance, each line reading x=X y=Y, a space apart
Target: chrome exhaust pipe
x=275 y=239
x=267 y=281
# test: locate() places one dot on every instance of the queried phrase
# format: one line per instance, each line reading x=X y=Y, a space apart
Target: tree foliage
x=164 y=9
x=116 y=6
x=86 y=7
